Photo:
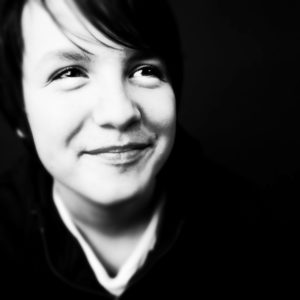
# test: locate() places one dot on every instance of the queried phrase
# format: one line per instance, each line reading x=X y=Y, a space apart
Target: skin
x=79 y=101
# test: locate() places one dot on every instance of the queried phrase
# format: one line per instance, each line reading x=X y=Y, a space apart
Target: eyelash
x=155 y=71
x=152 y=71
x=59 y=75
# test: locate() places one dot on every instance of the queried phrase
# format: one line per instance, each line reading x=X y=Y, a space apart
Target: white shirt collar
x=117 y=284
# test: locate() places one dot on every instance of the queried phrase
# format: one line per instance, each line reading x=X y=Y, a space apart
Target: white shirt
x=117 y=284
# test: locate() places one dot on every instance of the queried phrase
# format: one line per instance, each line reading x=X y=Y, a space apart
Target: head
x=94 y=87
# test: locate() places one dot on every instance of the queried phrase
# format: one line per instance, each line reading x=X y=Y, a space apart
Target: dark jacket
x=208 y=242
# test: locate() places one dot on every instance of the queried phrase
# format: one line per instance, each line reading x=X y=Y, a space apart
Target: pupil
x=148 y=71
x=72 y=73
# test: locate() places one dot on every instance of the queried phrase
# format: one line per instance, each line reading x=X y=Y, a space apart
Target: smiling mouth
x=120 y=155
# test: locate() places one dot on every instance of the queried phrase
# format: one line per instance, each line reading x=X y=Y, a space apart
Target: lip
x=118 y=149
x=120 y=154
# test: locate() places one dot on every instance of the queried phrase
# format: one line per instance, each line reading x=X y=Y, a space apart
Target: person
x=112 y=198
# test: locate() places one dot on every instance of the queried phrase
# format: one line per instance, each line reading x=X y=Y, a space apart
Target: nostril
x=121 y=116
x=125 y=124
x=132 y=123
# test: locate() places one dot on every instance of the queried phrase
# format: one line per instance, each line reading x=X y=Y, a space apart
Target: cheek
x=50 y=122
x=50 y=125
x=159 y=109
x=47 y=115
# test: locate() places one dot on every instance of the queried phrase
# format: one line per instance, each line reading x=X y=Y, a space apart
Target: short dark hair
x=147 y=25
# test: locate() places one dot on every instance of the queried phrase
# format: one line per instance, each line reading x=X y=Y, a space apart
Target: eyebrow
x=66 y=56
x=85 y=57
x=137 y=55
x=73 y=56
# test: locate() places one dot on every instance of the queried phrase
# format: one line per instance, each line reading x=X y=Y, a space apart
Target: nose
x=115 y=109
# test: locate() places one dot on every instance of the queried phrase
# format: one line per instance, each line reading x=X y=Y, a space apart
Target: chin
x=119 y=197
x=110 y=193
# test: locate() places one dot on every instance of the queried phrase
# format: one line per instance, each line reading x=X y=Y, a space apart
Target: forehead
x=62 y=25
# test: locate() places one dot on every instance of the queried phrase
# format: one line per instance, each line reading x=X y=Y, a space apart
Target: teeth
x=121 y=157
x=120 y=150
x=118 y=155
x=117 y=149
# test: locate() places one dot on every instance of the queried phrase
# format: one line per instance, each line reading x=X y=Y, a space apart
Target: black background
x=241 y=97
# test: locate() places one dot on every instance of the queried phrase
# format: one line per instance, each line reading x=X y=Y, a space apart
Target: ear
x=23 y=130
x=22 y=126
x=20 y=133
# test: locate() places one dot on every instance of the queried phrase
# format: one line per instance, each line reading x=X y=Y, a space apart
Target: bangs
x=145 y=25
x=139 y=24
x=117 y=20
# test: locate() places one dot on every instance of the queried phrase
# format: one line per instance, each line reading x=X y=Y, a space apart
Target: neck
x=110 y=220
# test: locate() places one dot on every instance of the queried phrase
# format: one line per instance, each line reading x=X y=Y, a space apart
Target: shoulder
x=209 y=187
x=283 y=198
x=17 y=192
x=14 y=181
x=15 y=196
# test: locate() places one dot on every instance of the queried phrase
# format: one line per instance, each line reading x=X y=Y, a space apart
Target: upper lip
x=118 y=148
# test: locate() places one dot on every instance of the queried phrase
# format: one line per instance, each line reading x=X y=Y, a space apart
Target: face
x=102 y=116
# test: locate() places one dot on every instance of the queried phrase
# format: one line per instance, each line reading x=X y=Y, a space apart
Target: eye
x=148 y=71
x=147 y=75
x=69 y=78
x=69 y=72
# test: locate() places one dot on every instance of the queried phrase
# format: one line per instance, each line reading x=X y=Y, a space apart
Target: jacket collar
x=63 y=253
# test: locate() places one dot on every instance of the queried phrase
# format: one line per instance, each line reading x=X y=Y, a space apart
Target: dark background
x=241 y=96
